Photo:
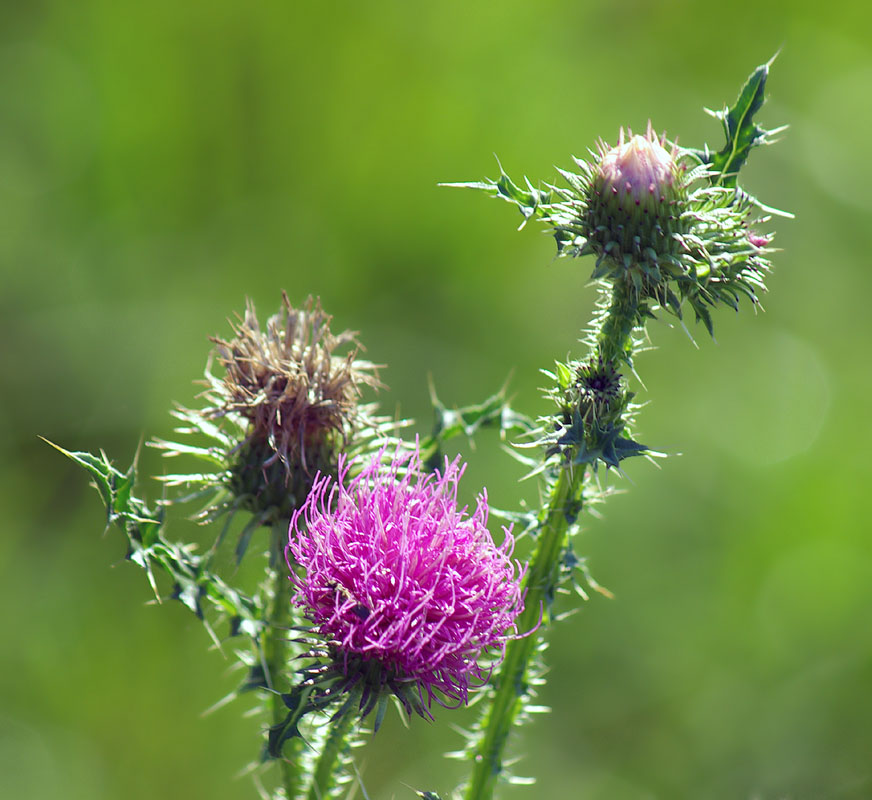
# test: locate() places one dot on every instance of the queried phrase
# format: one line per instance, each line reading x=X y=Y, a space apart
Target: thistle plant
x=378 y=587
x=288 y=445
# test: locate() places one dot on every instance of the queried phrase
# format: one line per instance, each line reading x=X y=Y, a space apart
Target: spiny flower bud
x=635 y=201
x=669 y=226
x=598 y=385
x=594 y=412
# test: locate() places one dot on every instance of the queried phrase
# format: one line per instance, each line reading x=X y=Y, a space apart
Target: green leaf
x=301 y=700
x=279 y=734
x=529 y=201
x=193 y=583
x=247 y=532
x=741 y=132
x=564 y=375
x=495 y=412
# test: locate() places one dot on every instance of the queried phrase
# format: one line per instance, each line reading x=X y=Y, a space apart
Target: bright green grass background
x=161 y=161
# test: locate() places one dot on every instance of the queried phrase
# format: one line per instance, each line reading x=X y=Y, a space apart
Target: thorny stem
x=324 y=775
x=511 y=686
x=275 y=651
x=613 y=341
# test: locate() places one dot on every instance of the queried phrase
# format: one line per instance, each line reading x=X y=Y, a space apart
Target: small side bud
x=600 y=393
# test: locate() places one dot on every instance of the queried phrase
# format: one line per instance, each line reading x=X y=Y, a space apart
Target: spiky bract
x=409 y=592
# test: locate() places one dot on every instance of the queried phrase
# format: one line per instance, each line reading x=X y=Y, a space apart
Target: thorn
x=689 y=334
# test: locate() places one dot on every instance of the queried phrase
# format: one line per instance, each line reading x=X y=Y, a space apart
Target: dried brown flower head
x=288 y=380
x=287 y=407
x=295 y=396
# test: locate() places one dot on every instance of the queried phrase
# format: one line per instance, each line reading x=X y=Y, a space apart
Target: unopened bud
x=598 y=384
x=636 y=199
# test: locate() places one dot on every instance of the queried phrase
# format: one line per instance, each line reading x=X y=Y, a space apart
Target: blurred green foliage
x=161 y=161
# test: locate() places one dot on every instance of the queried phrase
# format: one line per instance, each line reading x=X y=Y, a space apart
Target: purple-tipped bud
x=641 y=171
x=635 y=202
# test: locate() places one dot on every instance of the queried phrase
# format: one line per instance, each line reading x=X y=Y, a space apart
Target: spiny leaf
x=247 y=532
x=301 y=700
x=529 y=201
x=495 y=412
x=279 y=734
x=193 y=583
x=741 y=132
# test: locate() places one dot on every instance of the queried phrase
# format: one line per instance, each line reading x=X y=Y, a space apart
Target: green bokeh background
x=161 y=161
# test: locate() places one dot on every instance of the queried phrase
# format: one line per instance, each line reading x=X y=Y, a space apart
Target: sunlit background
x=160 y=162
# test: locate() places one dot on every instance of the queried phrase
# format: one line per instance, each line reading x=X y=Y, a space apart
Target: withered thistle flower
x=287 y=405
x=411 y=595
x=299 y=395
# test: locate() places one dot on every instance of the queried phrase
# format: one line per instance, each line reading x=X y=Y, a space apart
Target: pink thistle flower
x=409 y=591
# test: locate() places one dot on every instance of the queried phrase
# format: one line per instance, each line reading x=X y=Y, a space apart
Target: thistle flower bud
x=599 y=390
x=669 y=226
x=635 y=201
x=595 y=410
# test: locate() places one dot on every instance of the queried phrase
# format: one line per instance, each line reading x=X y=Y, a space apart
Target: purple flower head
x=410 y=591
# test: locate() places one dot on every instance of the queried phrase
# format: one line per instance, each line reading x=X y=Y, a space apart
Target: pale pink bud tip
x=641 y=165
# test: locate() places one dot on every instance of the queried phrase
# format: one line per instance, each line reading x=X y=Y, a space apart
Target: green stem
x=511 y=682
x=613 y=341
x=275 y=651
x=324 y=775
